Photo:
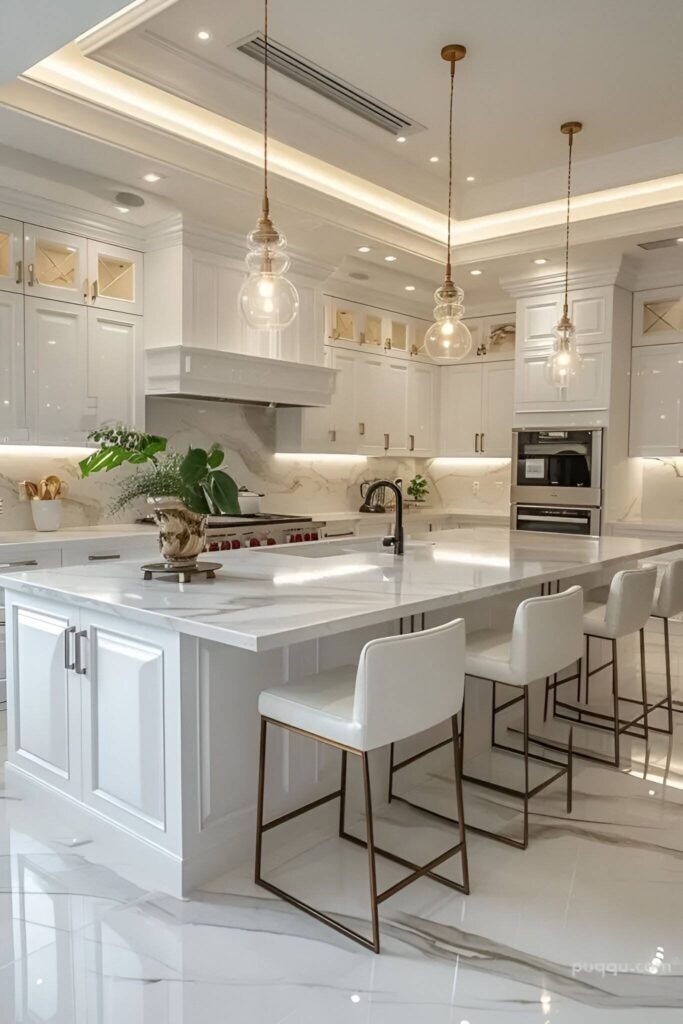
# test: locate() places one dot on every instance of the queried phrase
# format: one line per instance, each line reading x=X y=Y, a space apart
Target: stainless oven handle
x=554 y=519
x=15 y=565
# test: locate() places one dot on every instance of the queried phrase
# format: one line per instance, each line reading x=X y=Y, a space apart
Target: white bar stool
x=626 y=610
x=401 y=686
x=667 y=602
x=546 y=639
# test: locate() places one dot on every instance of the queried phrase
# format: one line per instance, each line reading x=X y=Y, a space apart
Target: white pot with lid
x=250 y=501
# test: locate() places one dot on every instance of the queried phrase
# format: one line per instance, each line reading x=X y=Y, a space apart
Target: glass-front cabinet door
x=54 y=265
x=11 y=255
x=115 y=277
x=13 y=425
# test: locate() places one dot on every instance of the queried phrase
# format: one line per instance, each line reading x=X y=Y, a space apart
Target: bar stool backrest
x=409 y=683
x=669 y=598
x=547 y=634
x=629 y=604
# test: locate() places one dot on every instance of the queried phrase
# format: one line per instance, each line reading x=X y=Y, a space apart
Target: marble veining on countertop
x=271 y=597
x=72 y=534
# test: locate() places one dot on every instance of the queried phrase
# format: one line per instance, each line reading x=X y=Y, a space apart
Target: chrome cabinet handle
x=476 y=443
x=68 y=663
x=19 y=268
x=102 y=558
x=333 y=435
x=361 y=429
x=481 y=443
x=386 y=442
x=79 y=667
x=411 y=445
x=15 y=565
x=31 y=275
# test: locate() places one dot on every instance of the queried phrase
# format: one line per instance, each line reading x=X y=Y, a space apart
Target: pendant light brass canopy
x=564 y=362
x=448 y=339
x=268 y=300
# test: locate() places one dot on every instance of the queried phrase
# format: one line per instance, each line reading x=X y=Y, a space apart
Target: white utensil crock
x=47 y=515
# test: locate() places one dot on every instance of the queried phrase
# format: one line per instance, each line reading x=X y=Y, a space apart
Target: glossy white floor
x=585 y=926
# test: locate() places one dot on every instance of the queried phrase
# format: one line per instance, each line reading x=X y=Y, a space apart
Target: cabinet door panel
x=343 y=420
x=128 y=758
x=115 y=368
x=13 y=426
x=422 y=406
x=11 y=255
x=115 y=277
x=658 y=316
x=589 y=390
x=60 y=411
x=477 y=328
x=394 y=405
x=55 y=265
x=537 y=319
x=656 y=396
x=497 y=409
x=46 y=704
x=460 y=409
x=369 y=405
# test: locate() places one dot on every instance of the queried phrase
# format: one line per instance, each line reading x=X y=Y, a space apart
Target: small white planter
x=47 y=515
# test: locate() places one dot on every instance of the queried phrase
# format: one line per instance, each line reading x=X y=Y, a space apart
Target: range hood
x=180 y=371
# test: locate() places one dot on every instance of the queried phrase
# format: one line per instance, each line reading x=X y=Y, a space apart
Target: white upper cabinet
x=393 y=401
x=116 y=368
x=370 y=402
x=329 y=429
x=11 y=255
x=658 y=316
x=588 y=390
x=59 y=407
x=55 y=265
x=656 y=399
x=423 y=402
x=476 y=409
x=13 y=424
x=493 y=337
x=114 y=278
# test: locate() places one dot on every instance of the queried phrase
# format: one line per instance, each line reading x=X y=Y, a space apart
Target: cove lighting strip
x=69 y=71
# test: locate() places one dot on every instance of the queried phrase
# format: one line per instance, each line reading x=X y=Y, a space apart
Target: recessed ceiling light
x=390 y=259
x=400 y=138
x=679 y=239
x=203 y=36
x=540 y=261
x=410 y=287
x=433 y=159
x=151 y=177
x=364 y=248
x=470 y=178
x=123 y=209
x=476 y=273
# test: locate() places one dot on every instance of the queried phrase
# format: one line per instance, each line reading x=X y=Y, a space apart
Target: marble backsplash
x=291 y=484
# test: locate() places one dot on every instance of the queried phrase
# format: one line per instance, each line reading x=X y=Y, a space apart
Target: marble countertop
x=410 y=512
x=70 y=534
x=272 y=597
x=650 y=525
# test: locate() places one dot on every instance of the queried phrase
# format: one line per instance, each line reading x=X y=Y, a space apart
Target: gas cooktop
x=256 y=519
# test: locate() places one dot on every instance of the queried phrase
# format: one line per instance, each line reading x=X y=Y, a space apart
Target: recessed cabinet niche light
x=400 y=138
x=364 y=248
x=476 y=273
x=540 y=261
x=390 y=259
x=203 y=36
x=410 y=287
x=470 y=178
x=151 y=177
x=433 y=159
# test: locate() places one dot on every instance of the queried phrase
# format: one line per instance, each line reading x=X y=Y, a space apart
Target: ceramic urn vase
x=182 y=534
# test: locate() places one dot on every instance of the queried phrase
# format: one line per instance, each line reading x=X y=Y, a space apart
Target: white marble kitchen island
x=134 y=704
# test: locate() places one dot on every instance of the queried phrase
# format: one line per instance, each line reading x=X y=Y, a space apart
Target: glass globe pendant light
x=268 y=300
x=564 y=362
x=449 y=339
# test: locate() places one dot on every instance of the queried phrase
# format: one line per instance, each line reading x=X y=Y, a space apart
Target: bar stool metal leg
x=371 y=853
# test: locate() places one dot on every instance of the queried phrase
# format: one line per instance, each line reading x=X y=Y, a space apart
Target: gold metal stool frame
x=417 y=870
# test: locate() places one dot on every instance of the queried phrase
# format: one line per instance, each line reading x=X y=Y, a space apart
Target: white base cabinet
x=477 y=409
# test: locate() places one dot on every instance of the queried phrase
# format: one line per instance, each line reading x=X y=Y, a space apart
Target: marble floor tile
x=584 y=927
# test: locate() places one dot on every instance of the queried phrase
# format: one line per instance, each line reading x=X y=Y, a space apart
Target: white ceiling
x=614 y=64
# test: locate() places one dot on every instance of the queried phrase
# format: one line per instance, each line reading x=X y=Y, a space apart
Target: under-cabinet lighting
x=465 y=461
x=320 y=457
x=283 y=579
x=31 y=451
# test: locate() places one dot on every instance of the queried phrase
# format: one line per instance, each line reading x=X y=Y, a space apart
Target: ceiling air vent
x=313 y=77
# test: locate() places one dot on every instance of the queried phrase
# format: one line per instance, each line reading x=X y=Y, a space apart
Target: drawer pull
x=79 y=667
x=476 y=443
x=16 y=565
x=333 y=435
x=481 y=443
x=361 y=429
x=411 y=446
x=68 y=663
x=102 y=558
x=386 y=442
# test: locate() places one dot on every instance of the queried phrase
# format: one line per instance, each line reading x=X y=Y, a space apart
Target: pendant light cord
x=450 y=170
x=265 y=109
x=566 y=240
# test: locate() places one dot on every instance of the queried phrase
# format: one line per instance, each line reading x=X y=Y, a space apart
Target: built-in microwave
x=557 y=466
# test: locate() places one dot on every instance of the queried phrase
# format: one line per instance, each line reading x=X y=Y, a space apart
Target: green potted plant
x=418 y=488
x=184 y=489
